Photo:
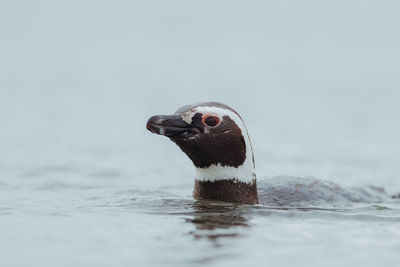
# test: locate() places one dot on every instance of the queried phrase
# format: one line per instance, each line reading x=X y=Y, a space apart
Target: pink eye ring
x=210 y=120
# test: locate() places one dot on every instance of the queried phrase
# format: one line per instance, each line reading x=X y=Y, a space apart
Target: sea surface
x=83 y=183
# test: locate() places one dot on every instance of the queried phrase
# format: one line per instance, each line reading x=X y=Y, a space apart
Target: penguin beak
x=171 y=126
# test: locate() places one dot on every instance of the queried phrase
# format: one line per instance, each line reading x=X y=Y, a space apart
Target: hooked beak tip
x=154 y=124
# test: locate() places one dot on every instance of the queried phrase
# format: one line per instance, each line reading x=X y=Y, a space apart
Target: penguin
x=215 y=138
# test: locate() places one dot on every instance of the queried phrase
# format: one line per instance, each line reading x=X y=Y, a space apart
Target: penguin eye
x=210 y=120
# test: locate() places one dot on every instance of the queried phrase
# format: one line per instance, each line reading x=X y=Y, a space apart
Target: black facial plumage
x=223 y=145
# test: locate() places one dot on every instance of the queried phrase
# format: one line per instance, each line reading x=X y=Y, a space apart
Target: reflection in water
x=214 y=220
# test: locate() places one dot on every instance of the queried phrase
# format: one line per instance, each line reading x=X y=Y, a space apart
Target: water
x=82 y=183
x=113 y=210
x=97 y=217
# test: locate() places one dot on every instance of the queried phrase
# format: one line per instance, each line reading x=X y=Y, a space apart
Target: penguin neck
x=227 y=190
x=227 y=183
